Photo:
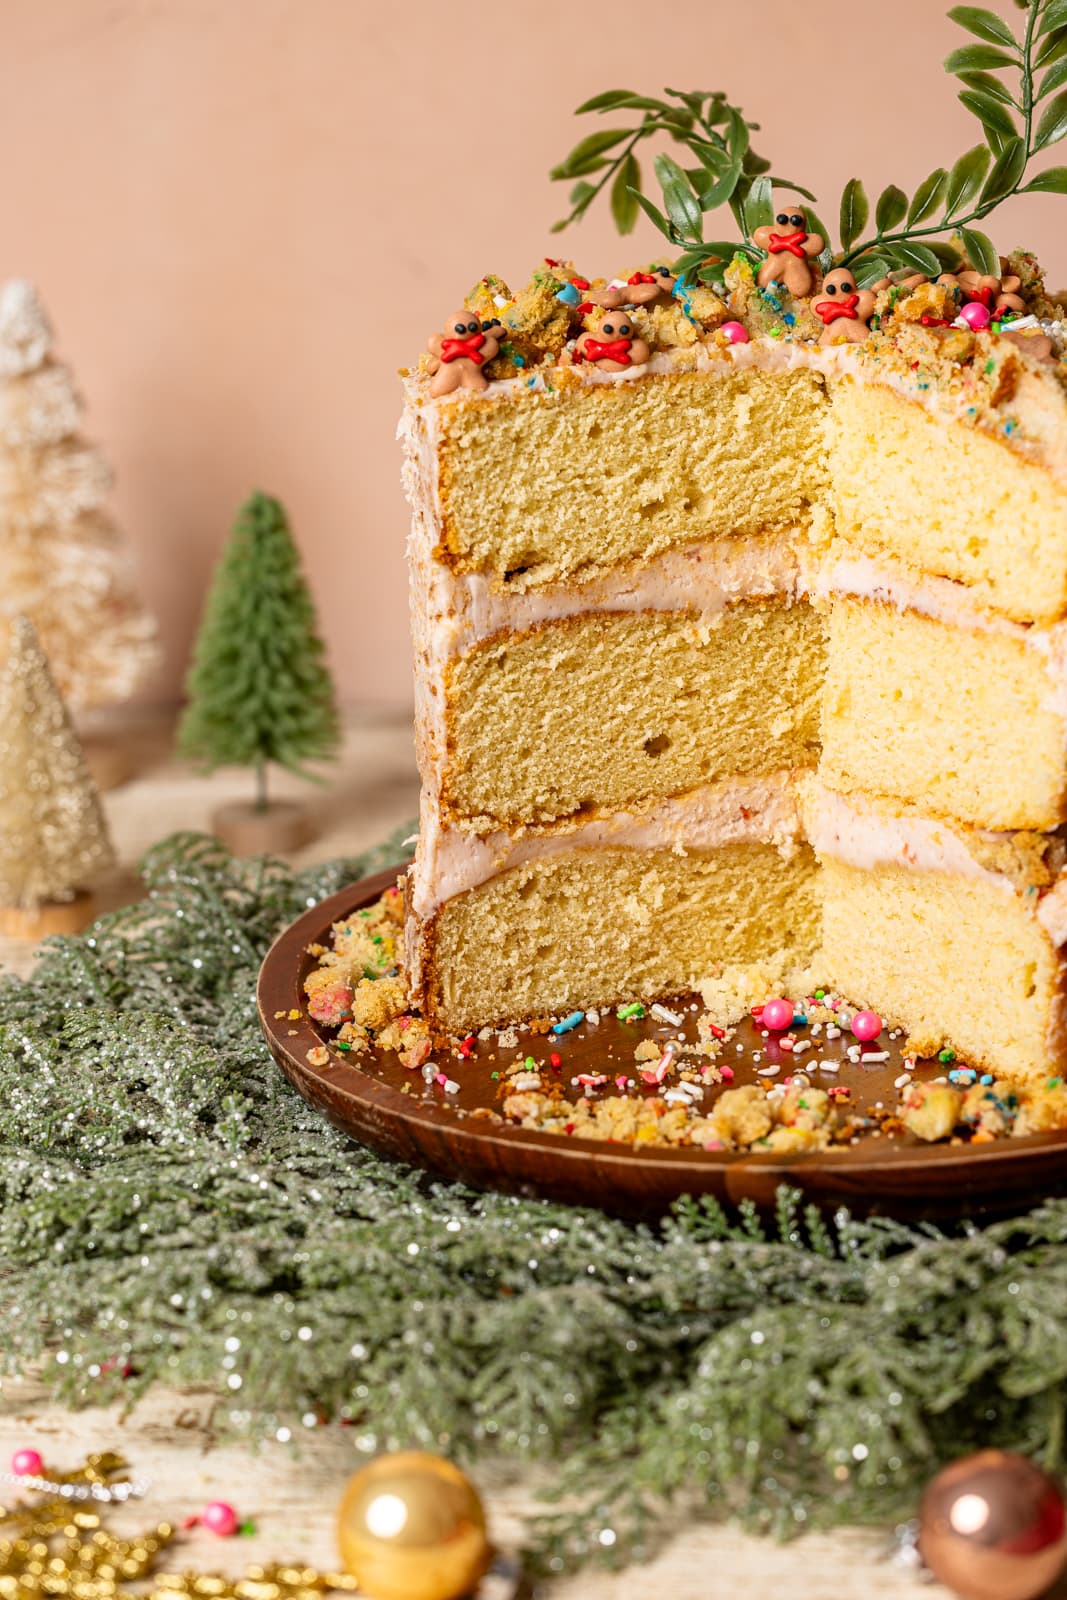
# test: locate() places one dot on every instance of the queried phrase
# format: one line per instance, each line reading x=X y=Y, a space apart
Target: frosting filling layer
x=762 y=809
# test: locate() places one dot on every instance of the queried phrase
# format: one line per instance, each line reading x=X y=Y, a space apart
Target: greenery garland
x=170 y=1210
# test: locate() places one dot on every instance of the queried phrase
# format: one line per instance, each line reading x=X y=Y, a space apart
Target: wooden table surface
x=290 y=1490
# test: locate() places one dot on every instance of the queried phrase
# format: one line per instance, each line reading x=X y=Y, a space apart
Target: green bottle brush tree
x=259 y=692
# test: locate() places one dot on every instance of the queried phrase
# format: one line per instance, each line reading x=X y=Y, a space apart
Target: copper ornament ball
x=993 y=1526
x=411 y=1527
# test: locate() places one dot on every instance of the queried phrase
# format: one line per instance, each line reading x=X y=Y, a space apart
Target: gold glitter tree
x=53 y=836
x=62 y=560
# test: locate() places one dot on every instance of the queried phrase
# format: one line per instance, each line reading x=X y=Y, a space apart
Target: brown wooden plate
x=453 y=1137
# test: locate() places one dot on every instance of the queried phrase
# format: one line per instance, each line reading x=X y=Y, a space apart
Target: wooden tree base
x=55 y=916
x=111 y=762
x=284 y=826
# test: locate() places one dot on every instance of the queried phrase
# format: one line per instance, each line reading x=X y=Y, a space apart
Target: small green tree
x=258 y=686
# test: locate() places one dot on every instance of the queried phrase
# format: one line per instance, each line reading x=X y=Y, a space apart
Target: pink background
x=245 y=215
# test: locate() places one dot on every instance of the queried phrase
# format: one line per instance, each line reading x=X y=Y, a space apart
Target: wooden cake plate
x=457 y=1136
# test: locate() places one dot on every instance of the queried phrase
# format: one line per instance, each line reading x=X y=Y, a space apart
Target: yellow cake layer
x=592 y=927
x=947 y=500
x=953 y=720
x=608 y=710
x=951 y=960
x=538 y=488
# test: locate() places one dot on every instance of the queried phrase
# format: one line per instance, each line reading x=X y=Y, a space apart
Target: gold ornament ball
x=411 y=1527
x=993 y=1527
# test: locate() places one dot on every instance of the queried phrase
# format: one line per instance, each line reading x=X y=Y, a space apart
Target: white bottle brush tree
x=63 y=563
x=53 y=837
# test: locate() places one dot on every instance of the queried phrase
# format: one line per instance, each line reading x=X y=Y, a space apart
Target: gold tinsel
x=60 y=1547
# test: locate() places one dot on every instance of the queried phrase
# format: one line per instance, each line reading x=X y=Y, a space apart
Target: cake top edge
x=654 y=317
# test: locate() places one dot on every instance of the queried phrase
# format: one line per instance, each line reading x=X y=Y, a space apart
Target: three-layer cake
x=750 y=653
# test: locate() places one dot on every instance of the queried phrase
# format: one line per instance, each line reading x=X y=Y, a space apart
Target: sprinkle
x=903 y=1081
x=829 y=1066
x=727 y=1074
x=530 y=1064
x=667 y=1016
x=620 y=1080
x=569 y=1022
x=716 y=1033
x=1053 y=1083
x=525 y=1080
x=946 y=1055
x=833 y=1031
x=343 y=1044
x=555 y=1060
x=875 y=1055
x=770 y=1071
x=986 y=1078
x=590 y=1080
x=633 y=1011
x=800 y=1046
x=657 y=1073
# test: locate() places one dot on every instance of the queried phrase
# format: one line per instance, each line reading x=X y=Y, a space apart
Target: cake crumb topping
x=678 y=1087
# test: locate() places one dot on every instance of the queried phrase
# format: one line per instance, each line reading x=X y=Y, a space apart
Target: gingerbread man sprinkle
x=790 y=248
x=640 y=289
x=844 y=309
x=996 y=294
x=612 y=345
x=462 y=351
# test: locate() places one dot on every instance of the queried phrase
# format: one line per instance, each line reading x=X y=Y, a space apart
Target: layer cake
x=750 y=655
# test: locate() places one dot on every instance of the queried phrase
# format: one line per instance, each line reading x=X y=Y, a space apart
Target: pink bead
x=975 y=315
x=777 y=1014
x=866 y=1025
x=27 y=1464
x=736 y=332
x=219 y=1517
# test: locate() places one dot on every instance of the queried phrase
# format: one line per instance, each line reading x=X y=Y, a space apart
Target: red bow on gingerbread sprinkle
x=463 y=349
x=642 y=277
x=983 y=294
x=831 y=310
x=793 y=242
x=616 y=350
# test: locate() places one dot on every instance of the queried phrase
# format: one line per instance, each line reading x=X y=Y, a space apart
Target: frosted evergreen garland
x=62 y=561
x=171 y=1211
x=53 y=836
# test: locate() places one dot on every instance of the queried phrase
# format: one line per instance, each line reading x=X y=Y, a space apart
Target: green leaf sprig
x=1015 y=86
x=722 y=168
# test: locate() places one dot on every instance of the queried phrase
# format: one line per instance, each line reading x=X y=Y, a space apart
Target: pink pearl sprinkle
x=777 y=1014
x=735 y=332
x=866 y=1025
x=27 y=1464
x=219 y=1517
x=975 y=315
